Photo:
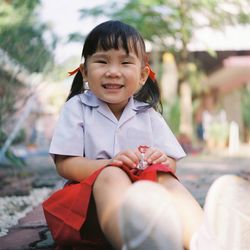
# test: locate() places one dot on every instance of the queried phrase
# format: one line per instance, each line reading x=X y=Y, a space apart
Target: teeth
x=112 y=86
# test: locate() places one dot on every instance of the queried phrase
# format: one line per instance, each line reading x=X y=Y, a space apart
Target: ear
x=83 y=71
x=144 y=74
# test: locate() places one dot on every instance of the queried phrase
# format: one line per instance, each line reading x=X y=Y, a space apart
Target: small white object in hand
x=142 y=163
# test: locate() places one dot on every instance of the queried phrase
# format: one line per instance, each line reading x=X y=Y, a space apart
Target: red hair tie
x=151 y=74
x=74 y=71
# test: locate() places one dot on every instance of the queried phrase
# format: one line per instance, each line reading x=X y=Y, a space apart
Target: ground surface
x=196 y=172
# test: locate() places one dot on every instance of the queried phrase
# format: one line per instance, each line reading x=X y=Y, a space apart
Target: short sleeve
x=68 y=137
x=164 y=137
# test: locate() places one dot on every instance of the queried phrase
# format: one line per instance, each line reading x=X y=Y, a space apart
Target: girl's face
x=114 y=76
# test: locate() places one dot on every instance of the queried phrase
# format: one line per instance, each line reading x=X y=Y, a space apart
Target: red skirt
x=71 y=213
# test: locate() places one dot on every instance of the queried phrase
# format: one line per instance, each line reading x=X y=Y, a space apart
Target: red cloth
x=71 y=214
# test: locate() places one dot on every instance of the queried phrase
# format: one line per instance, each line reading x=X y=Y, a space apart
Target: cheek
x=92 y=76
x=134 y=74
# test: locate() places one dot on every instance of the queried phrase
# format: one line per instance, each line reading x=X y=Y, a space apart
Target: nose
x=113 y=71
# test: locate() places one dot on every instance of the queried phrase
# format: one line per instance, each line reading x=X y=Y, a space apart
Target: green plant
x=20 y=137
x=246 y=107
x=14 y=160
x=10 y=156
x=218 y=131
x=171 y=114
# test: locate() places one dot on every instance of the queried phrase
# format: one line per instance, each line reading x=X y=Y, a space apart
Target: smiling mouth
x=112 y=86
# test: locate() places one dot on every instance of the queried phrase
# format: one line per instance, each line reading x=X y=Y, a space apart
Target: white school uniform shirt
x=87 y=127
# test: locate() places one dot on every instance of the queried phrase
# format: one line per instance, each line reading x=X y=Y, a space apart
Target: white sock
x=226 y=223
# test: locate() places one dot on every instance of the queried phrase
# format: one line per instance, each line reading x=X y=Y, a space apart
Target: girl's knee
x=111 y=175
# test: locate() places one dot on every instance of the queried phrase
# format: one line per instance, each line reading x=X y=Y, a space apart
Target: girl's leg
x=109 y=192
x=149 y=220
x=190 y=212
x=109 y=189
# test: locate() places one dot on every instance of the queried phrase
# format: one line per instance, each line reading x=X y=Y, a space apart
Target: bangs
x=113 y=35
x=118 y=41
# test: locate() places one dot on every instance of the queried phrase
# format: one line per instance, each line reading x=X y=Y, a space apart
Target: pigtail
x=150 y=93
x=77 y=86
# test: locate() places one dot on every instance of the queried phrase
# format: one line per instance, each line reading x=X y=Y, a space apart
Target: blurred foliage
x=60 y=71
x=23 y=51
x=14 y=160
x=3 y=137
x=171 y=114
x=218 y=131
x=172 y=23
x=21 y=34
x=75 y=37
x=11 y=157
x=20 y=137
x=8 y=89
x=246 y=107
x=195 y=77
x=8 y=94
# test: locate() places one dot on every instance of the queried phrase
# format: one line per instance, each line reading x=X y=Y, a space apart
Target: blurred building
x=224 y=56
x=229 y=71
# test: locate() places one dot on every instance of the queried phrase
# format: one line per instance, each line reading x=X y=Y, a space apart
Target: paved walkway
x=196 y=173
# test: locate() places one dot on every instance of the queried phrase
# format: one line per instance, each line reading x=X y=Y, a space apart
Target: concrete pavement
x=196 y=172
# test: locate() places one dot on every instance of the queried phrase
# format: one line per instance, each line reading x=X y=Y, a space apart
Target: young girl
x=109 y=136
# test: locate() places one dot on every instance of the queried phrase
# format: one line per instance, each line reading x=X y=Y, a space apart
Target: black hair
x=115 y=35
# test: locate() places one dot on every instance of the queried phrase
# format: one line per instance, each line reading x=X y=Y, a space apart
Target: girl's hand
x=155 y=155
x=129 y=158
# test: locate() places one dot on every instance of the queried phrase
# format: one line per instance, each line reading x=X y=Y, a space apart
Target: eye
x=101 y=61
x=126 y=62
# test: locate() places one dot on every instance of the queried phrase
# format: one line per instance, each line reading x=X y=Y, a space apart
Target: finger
x=147 y=155
x=127 y=161
x=153 y=156
x=138 y=154
x=133 y=155
x=149 y=151
x=162 y=159
x=165 y=163
x=116 y=163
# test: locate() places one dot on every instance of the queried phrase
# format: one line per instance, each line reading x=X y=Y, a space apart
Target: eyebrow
x=99 y=53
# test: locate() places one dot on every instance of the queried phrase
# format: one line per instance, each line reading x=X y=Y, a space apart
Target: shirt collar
x=89 y=99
